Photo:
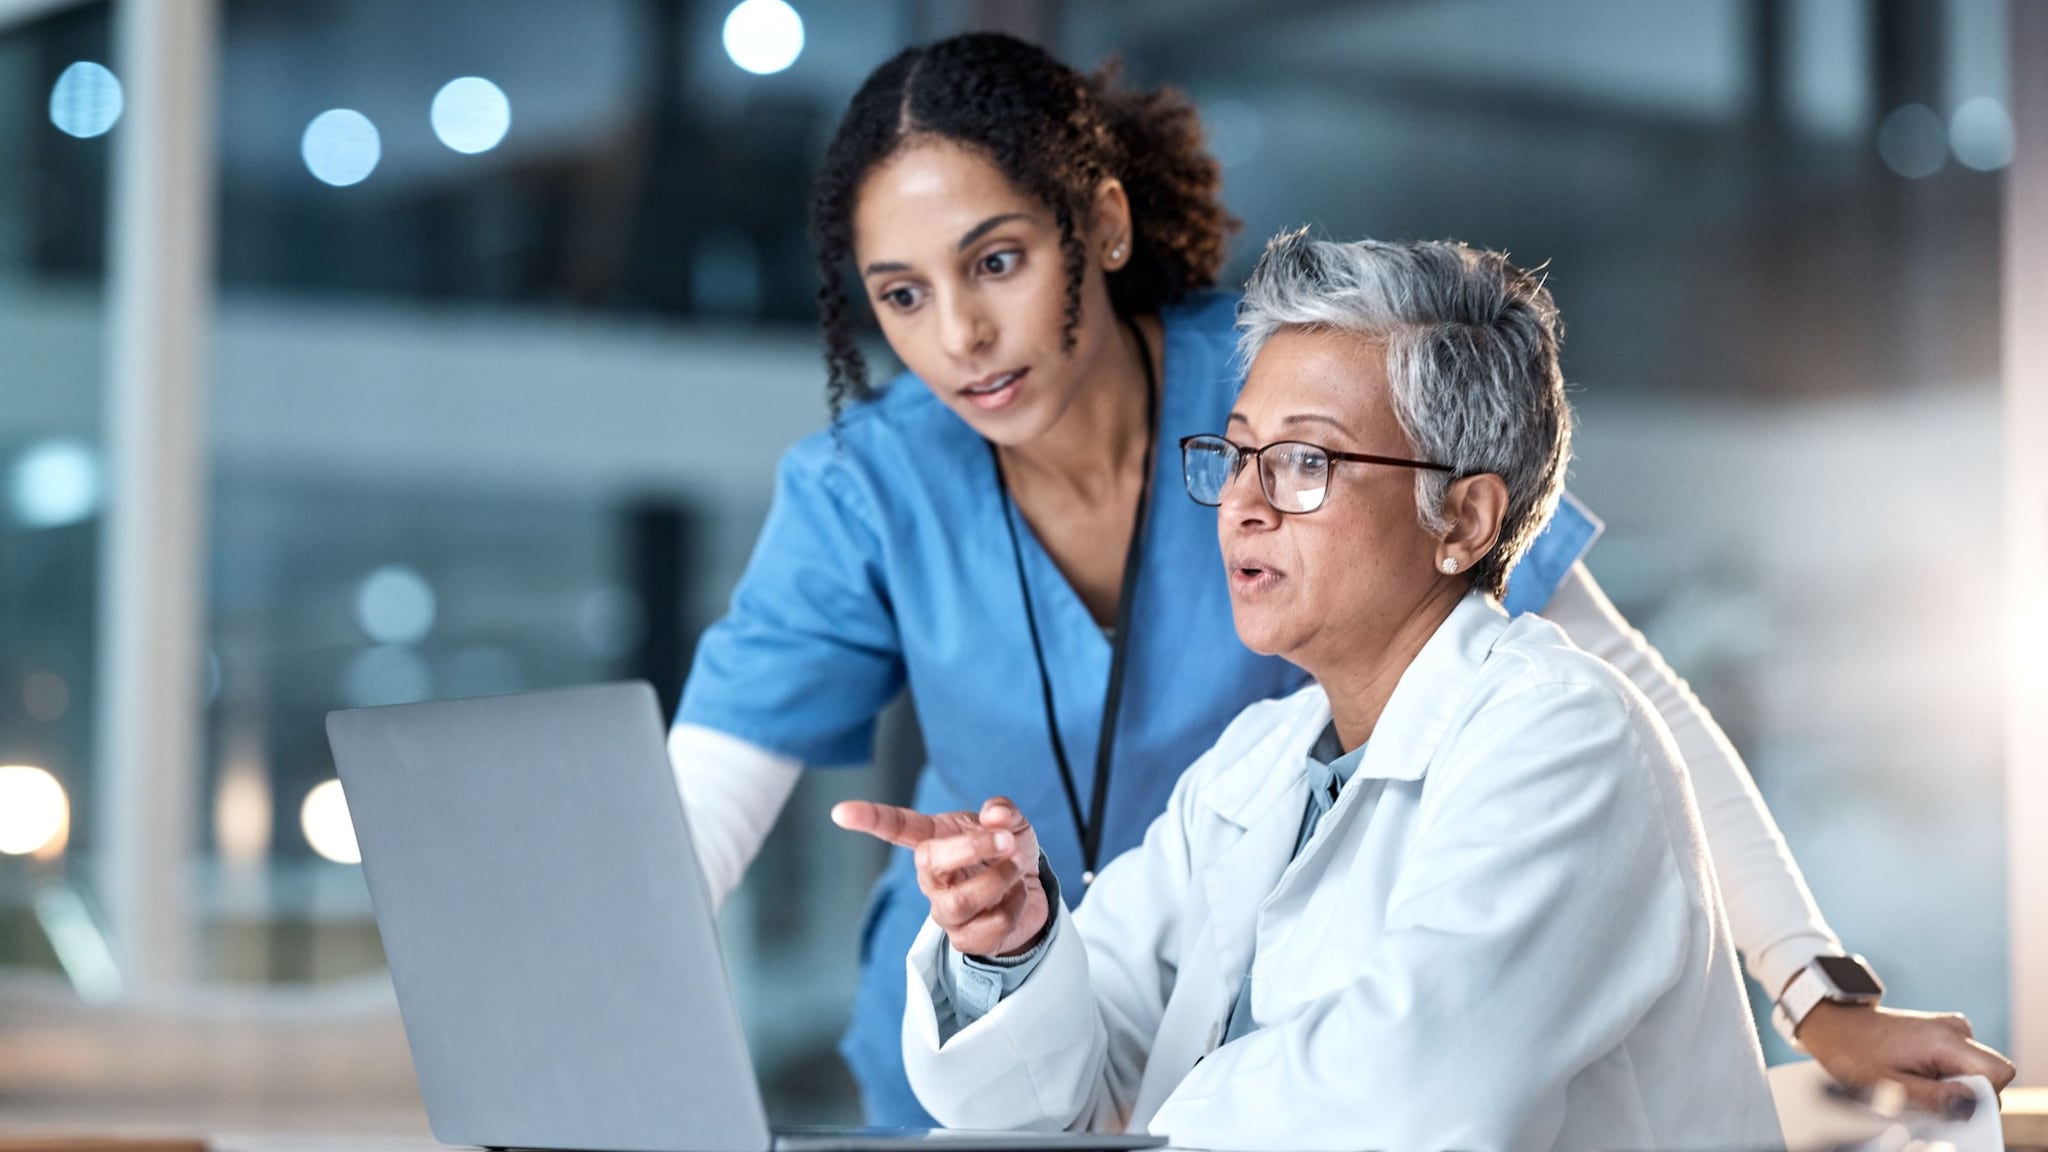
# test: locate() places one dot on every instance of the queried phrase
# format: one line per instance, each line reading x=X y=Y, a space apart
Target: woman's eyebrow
x=1316 y=418
x=975 y=233
x=987 y=226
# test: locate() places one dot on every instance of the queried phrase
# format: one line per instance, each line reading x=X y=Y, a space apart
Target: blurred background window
x=514 y=317
x=58 y=102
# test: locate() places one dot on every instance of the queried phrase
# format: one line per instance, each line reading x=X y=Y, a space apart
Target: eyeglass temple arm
x=1363 y=458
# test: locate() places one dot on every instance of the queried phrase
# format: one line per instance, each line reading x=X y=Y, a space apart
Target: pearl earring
x=1450 y=565
x=1117 y=253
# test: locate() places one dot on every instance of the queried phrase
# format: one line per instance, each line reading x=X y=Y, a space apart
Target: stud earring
x=1117 y=253
x=1450 y=565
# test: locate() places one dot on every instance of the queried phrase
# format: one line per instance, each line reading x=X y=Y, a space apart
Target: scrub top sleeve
x=808 y=653
x=1543 y=568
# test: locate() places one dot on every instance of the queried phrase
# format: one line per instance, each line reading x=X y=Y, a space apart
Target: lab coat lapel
x=1265 y=792
x=1188 y=1031
x=1261 y=797
x=1264 y=796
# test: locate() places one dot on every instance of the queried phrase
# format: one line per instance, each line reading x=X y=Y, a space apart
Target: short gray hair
x=1471 y=355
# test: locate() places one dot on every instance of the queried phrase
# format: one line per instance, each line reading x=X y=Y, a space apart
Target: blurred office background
x=509 y=316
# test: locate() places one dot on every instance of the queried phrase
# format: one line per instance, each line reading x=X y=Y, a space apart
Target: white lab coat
x=1506 y=934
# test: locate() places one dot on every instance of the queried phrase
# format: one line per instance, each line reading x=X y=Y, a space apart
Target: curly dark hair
x=1056 y=134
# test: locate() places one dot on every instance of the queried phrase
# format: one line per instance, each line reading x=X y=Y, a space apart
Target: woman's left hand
x=1864 y=1045
x=978 y=869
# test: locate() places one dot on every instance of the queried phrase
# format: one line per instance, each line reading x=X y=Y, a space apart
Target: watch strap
x=1807 y=989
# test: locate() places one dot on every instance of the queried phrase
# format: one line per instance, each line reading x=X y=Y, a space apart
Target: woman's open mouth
x=996 y=391
x=1252 y=579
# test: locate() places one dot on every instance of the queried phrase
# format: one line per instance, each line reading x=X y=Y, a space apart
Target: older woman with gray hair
x=1455 y=893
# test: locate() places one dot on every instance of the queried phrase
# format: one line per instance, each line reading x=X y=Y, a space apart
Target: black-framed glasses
x=1294 y=476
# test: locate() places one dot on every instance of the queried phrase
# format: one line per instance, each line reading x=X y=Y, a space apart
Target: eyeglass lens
x=1295 y=477
x=1207 y=464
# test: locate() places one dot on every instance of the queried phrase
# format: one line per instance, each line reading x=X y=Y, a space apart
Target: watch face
x=1849 y=975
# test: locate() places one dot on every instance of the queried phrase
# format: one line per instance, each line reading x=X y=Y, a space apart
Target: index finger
x=1966 y=1057
x=899 y=826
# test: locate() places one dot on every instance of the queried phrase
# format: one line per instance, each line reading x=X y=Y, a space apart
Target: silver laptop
x=551 y=941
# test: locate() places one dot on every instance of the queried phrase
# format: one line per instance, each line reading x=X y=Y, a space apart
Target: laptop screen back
x=554 y=952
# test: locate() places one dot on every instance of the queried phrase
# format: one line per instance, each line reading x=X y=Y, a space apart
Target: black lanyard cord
x=1090 y=830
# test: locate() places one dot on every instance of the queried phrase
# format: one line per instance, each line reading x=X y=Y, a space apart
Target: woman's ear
x=1109 y=226
x=1475 y=506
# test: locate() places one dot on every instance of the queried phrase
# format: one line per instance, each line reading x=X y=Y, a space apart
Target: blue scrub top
x=886 y=561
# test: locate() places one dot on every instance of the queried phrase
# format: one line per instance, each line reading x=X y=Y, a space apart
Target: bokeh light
x=242 y=814
x=1981 y=134
x=86 y=101
x=33 y=809
x=764 y=36
x=341 y=147
x=471 y=115
x=56 y=482
x=324 y=819
x=1912 y=141
x=395 y=605
x=386 y=674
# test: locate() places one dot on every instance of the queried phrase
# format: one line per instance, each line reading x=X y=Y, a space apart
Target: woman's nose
x=1244 y=501
x=963 y=329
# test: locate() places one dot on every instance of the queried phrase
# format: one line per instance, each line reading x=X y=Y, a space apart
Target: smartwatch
x=1842 y=979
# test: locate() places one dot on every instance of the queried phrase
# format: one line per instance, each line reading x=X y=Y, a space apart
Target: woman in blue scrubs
x=1000 y=529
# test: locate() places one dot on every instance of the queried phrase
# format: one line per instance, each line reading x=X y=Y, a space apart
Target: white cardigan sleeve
x=732 y=792
x=1776 y=924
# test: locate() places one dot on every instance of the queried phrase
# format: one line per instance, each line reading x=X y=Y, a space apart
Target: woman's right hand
x=979 y=870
